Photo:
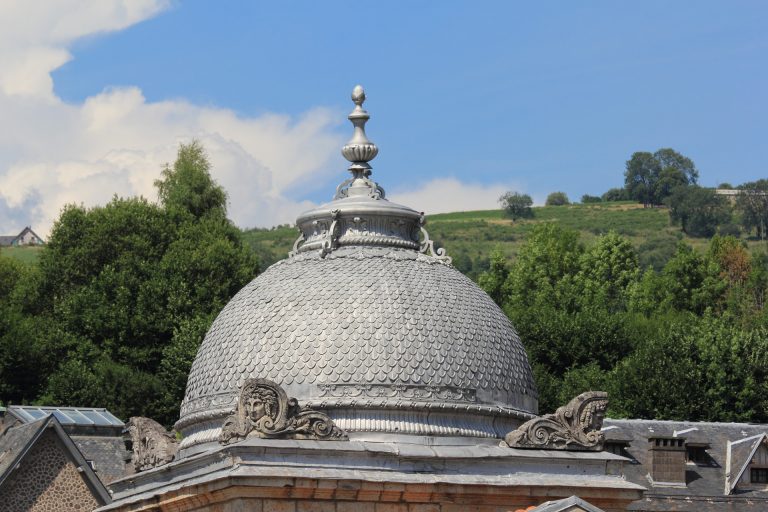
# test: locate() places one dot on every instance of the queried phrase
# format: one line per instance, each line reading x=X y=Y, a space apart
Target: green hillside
x=28 y=254
x=470 y=237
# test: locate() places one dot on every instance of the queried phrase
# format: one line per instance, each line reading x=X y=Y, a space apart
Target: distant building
x=693 y=466
x=733 y=193
x=26 y=237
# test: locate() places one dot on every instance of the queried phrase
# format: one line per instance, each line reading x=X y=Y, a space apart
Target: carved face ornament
x=260 y=402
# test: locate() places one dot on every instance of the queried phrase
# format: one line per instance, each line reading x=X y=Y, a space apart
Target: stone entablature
x=296 y=475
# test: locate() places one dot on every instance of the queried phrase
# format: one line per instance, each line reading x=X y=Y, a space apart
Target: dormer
x=747 y=464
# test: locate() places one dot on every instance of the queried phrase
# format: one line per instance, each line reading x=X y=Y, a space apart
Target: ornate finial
x=359 y=150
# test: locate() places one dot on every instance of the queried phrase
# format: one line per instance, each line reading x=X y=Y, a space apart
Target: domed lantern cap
x=368 y=323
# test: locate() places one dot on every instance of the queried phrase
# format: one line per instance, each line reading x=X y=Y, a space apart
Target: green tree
x=699 y=211
x=517 y=205
x=557 y=199
x=641 y=176
x=752 y=202
x=652 y=381
x=188 y=187
x=549 y=257
x=651 y=177
x=615 y=194
x=693 y=281
x=668 y=158
x=495 y=278
x=607 y=269
x=133 y=286
x=23 y=355
x=587 y=199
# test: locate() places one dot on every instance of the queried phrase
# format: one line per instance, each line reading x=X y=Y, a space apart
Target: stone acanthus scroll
x=152 y=446
x=264 y=410
x=575 y=426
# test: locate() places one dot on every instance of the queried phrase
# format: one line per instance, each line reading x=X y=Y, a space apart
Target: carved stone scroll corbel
x=151 y=445
x=575 y=426
x=264 y=410
x=427 y=246
x=331 y=239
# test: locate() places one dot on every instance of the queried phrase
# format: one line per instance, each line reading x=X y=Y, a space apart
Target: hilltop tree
x=587 y=199
x=651 y=177
x=516 y=205
x=557 y=199
x=752 y=202
x=699 y=211
x=615 y=194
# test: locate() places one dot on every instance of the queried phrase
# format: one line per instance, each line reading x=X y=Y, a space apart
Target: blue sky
x=488 y=96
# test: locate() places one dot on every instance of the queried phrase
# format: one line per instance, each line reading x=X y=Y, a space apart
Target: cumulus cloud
x=53 y=153
x=444 y=195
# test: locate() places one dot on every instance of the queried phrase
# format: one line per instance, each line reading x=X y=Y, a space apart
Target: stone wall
x=46 y=481
x=271 y=494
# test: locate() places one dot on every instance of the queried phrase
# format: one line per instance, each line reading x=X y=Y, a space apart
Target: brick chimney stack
x=667 y=460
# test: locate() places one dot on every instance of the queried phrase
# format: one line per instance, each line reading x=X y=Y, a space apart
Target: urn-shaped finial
x=359 y=150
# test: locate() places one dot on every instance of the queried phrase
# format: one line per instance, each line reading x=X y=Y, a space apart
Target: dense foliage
x=605 y=294
x=687 y=342
x=122 y=296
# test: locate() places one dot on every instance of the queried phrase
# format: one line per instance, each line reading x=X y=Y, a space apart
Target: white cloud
x=444 y=195
x=53 y=153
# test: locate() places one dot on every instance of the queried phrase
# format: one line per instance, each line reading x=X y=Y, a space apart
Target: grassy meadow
x=27 y=254
x=470 y=237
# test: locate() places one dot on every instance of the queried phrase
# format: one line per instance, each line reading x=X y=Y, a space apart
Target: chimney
x=667 y=460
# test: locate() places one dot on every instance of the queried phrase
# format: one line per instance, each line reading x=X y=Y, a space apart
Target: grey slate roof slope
x=95 y=431
x=350 y=328
x=16 y=442
x=572 y=504
x=6 y=240
x=705 y=489
x=739 y=454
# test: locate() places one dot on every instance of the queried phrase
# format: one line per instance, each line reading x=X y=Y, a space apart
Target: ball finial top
x=358 y=95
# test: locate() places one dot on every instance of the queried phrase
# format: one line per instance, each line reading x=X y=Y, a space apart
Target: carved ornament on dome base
x=264 y=410
x=151 y=445
x=575 y=426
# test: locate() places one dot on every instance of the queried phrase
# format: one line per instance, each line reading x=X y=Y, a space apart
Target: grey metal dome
x=368 y=323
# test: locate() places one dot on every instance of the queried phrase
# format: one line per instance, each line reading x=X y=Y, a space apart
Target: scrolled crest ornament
x=264 y=410
x=575 y=426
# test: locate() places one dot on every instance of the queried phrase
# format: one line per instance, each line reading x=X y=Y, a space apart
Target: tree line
x=668 y=178
x=688 y=342
x=123 y=294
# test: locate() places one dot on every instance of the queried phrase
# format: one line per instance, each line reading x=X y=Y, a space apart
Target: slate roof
x=17 y=440
x=739 y=455
x=706 y=482
x=574 y=503
x=14 y=442
x=367 y=328
x=96 y=432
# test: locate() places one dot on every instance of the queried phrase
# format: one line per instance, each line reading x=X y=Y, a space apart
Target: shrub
x=557 y=199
